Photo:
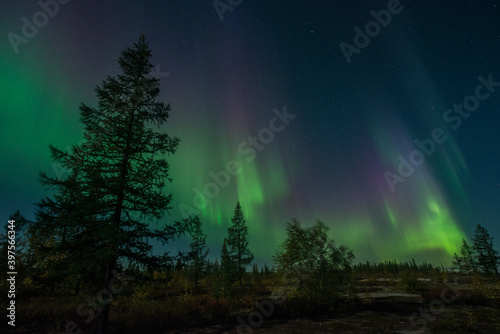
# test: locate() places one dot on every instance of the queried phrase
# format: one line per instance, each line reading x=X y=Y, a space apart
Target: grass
x=51 y=314
x=464 y=319
x=476 y=308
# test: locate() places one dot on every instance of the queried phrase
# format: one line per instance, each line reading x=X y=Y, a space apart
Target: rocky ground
x=381 y=308
x=439 y=309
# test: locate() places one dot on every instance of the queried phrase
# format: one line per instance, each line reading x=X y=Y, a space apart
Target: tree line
x=480 y=256
x=394 y=267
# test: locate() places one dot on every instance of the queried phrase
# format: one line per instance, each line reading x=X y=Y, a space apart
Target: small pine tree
x=256 y=278
x=179 y=265
x=216 y=280
x=413 y=265
x=238 y=243
x=458 y=262
x=267 y=271
x=24 y=256
x=487 y=257
x=209 y=267
x=198 y=254
x=227 y=271
x=467 y=257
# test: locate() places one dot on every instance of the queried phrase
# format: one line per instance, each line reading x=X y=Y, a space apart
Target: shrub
x=408 y=282
x=313 y=270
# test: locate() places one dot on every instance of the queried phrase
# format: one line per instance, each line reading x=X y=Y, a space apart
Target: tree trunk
x=102 y=326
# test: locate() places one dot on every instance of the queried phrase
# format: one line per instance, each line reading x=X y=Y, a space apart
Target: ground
x=380 y=306
x=439 y=308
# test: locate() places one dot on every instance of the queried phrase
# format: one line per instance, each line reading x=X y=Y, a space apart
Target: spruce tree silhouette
x=101 y=213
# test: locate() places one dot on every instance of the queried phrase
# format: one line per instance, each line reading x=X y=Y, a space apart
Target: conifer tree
x=102 y=209
x=238 y=243
x=198 y=254
x=458 y=261
x=487 y=257
x=467 y=257
x=227 y=270
x=256 y=277
x=267 y=271
x=15 y=247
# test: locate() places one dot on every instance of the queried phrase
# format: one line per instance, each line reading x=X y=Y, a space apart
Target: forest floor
x=381 y=307
x=385 y=309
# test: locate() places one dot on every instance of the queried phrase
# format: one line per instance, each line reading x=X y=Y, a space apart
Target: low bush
x=409 y=282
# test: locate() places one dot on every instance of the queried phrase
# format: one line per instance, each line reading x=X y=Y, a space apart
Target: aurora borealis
x=229 y=80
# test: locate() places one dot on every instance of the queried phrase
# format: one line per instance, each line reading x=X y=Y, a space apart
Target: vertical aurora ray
x=250 y=190
x=421 y=217
x=38 y=108
x=227 y=116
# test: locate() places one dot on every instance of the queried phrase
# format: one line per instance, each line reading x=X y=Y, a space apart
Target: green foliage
x=312 y=267
x=100 y=212
x=142 y=292
x=393 y=267
x=225 y=274
x=237 y=242
x=51 y=314
x=198 y=254
x=487 y=257
x=256 y=277
x=480 y=256
x=466 y=320
x=466 y=261
x=180 y=282
x=408 y=281
x=27 y=266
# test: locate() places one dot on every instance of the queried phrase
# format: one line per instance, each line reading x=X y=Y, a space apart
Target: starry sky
x=387 y=131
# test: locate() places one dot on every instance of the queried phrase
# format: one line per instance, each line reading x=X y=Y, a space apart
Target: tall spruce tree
x=487 y=257
x=238 y=243
x=198 y=254
x=101 y=212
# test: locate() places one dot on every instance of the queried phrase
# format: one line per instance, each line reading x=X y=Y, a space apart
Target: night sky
x=317 y=132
